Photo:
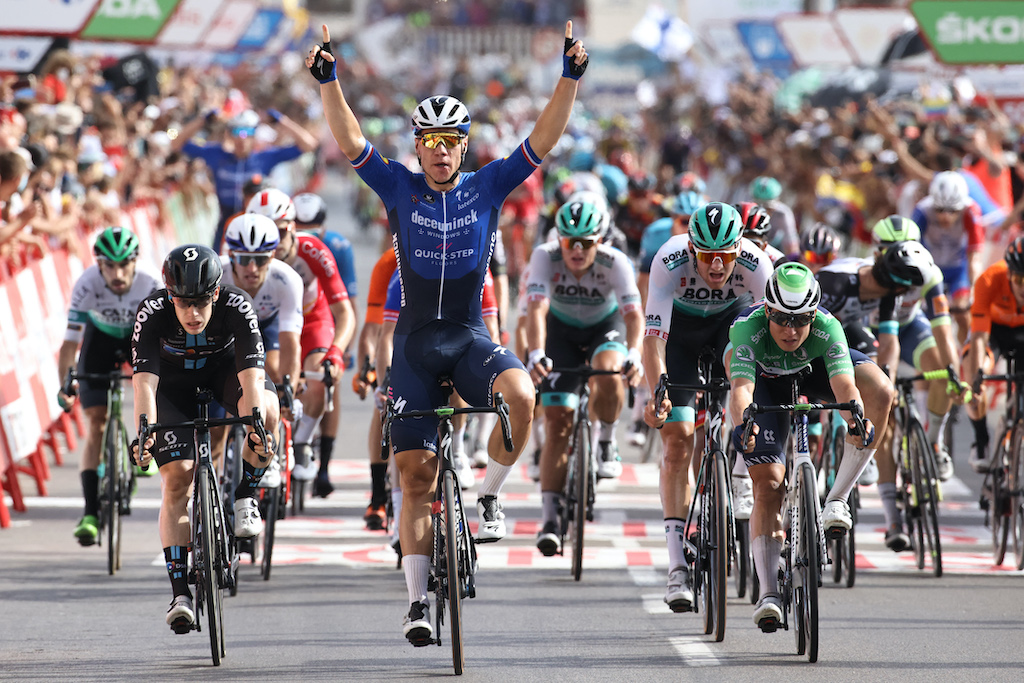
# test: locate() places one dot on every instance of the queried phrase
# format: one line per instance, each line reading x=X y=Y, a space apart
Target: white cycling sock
x=739 y=468
x=537 y=432
x=396 y=504
x=484 y=425
x=887 y=492
x=494 y=478
x=936 y=423
x=549 y=506
x=674 y=529
x=417 y=569
x=766 y=551
x=459 y=441
x=854 y=461
x=304 y=432
x=606 y=430
x=639 y=401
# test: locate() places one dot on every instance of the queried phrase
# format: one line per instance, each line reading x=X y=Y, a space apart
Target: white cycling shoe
x=248 y=521
x=836 y=518
x=869 y=475
x=742 y=497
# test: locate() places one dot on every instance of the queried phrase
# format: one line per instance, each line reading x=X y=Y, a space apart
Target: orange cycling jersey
x=378 y=293
x=994 y=301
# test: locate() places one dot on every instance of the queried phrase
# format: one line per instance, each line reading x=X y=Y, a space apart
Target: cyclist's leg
x=977 y=408
x=957 y=283
x=317 y=336
x=608 y=392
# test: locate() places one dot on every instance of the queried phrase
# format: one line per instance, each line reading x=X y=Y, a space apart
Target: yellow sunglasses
x=449 y=140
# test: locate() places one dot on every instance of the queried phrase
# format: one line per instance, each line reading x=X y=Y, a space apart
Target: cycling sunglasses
x=789 y=319
x=1017 y=278
x=818 y=259
x=244 y=259
x=584 y=242
x=946 y=209
x=709 y=256
x=187 y=302
x=449 y=140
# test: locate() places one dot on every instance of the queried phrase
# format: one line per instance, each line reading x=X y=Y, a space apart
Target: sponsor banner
x=187 y=27
x=868 y=31
x=975 y=32
x=47 y=17
x=698 y=14
x=230 y=24
x=813 y=40
x=263 y=27
x=132 y=20
x=21 y=54
x=765 y=46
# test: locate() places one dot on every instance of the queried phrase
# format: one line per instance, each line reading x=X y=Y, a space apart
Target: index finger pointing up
x=327 y=34
x=568 y=29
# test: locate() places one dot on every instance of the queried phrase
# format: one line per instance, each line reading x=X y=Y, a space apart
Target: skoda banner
x=973 y=32
x=129 y=20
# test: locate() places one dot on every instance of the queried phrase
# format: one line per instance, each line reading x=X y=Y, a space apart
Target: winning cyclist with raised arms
x=444 y=225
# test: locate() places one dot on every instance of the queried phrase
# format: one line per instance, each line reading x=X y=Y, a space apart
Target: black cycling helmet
x=192 y=270
x=904 y=264
x=1015 y=255
x=822 y=240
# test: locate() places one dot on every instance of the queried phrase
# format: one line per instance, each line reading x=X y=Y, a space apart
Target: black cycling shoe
x=896 y=539
x=322 y=486
x=547 y=539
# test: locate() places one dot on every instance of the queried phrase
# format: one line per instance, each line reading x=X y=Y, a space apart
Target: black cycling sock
x=251 y=476
x=91 y=491
x=378 y=488
x=326 y=450
x=177 y=569
x=980 y=433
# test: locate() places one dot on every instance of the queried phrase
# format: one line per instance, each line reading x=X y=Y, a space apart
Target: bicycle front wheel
x=581 y=494
x=718 y=551
x=208 y=567
x=451 y=551
x=1016 y=482
x=926 y=495
x=742 y=565
x=111 y=496
x=809 y=567
x=269 y=503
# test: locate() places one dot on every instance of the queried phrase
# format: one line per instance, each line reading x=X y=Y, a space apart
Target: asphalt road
x=333 y=608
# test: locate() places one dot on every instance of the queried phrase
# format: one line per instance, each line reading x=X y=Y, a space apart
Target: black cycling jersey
x=840 y=293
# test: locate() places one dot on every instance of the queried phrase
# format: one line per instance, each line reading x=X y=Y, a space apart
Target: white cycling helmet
x=793 y=289
x=310 y=209
x=252 y=232
x=440 y=111
x=948 y=190
x=272 y=203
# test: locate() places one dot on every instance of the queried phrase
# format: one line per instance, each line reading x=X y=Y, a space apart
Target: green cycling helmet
x=792 y=289
x=715 y=227
x=895 y=228
x=579 y=218
x=765 y=188
x=116 y=244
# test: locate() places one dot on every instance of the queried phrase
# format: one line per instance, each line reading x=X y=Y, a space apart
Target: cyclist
x=328 y=320
x=819 y=246
x=854 y=290
x=186 y=336
x=756 y=226
x=699 y=283
x=443 y=226
x=583 y=306
x=310 y=214
x=103 y=304
x=766 y=190
x=997 y=323
x=952 y=231
x=781 y=337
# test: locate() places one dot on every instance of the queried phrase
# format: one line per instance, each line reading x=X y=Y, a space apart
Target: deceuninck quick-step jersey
x=443 y=240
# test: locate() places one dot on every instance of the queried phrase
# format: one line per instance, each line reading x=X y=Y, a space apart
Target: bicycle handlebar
x=947 y=373
x=586 y=372
x=255 y=421
x=500 y=408
x=287 y=393
x=852 y=406
x=68 y=387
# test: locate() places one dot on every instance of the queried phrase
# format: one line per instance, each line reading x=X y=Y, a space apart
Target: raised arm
x=552 y=121
x=340 y=118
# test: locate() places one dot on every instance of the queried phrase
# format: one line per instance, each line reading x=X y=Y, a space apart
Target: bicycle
x=919 y=490
x=711 y=505
x=1002 y=498
x=299 y=486
x=116 y=475
x=842 y=550
x=804 y=552
x=581 y=473
x=453 y=558
x=741 y=563
x=213 y=567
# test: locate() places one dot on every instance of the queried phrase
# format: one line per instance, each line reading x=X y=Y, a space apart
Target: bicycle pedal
x=181 y=626
x=477 y=540
x=419 y=641
x=769 y=625
x=835 y=534
x=681 y=606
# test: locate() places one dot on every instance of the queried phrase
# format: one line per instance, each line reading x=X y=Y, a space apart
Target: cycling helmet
x=440 y=111
x=948 y=190
x=116 y=244
x=272 y=203
x=252 y=232
x=903 y=264
x=642 y=183
x=310 y=209
x=821 y=240
x=599 y=202
x=715 y=226
x=756 y=221
x=690 y=182
x=192 y=270
x=244 y=123
x=685 y=203
x=793 y=289
x=580 y=219
x=895 y=228
x=765 y=188
x=1015 y=256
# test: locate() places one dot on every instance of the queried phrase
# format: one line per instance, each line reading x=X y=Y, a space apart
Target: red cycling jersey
x=322 y=286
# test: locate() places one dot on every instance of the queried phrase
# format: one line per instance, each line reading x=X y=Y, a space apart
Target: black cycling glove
x=570 y=69
x=323 y=70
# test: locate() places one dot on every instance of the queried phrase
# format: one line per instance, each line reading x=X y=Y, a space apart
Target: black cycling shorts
x=570 y=347
x=99 y=356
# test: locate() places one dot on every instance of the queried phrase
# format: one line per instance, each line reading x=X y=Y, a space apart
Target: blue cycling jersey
x=342 y=250
x=230 y=173
x=443 y=241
